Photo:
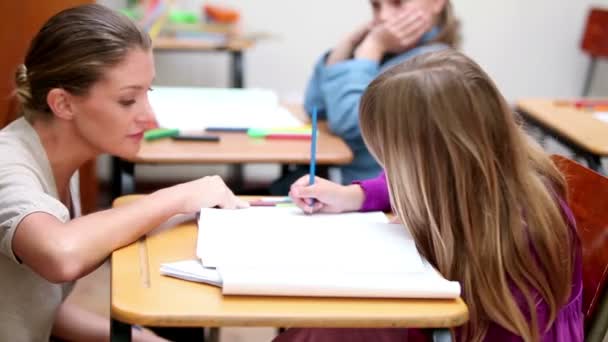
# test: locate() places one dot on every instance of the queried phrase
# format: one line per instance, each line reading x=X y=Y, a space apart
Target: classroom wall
x=530 y=48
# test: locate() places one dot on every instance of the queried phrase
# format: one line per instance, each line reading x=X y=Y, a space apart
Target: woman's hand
x=207 y=192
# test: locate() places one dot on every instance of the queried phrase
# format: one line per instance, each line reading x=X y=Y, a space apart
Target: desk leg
x=123 y=177
x=322 y=170
x=237 y=178
x=237 y=69
x=214 y=334
x=594 y=162
x=120 y=332
x=442 y=335
x=589 y=76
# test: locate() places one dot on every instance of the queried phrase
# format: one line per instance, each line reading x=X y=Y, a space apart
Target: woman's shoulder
x=22 y=156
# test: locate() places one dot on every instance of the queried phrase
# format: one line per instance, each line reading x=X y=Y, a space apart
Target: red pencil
x=583 y=103
x=282 y=136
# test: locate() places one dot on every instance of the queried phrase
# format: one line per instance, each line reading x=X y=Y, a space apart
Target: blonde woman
x=483 y=203
x=83 y=90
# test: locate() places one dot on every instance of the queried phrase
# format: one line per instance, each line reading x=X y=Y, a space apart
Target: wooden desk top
x=140 y=295
x=236 y=148
x=578 y=126
x=172 y=44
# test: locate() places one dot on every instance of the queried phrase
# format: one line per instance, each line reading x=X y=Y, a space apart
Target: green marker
x=183 y=17
x=258 y=132
x=159 y=133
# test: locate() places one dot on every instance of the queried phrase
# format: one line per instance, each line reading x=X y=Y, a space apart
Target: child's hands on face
x=344 y=49
x=403 y=30
x=328 y=197
x=357 y=36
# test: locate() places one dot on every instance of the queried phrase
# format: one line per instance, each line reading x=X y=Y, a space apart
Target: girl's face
x=385 y=9
x=113 y=115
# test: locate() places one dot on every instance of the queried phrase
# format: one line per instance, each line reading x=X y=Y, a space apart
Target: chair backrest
x=595 y=38
x=588 y=199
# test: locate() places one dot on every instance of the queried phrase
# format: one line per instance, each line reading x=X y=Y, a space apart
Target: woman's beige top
x=28 y=302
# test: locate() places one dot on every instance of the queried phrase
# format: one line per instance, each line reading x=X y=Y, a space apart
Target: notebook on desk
x=279 y=251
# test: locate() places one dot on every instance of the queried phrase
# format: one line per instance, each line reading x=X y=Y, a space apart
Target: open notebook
x=281 y=251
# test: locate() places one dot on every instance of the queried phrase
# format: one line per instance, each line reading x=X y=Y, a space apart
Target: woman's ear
x=59 y=101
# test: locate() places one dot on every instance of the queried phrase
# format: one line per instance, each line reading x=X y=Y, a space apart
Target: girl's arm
x=329 y=197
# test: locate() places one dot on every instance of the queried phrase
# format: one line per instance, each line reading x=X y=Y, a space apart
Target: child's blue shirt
x=336 y=91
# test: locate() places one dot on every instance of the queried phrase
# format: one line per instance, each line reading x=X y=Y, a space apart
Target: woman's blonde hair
x=449 y=27
x=72 y=51
x=478 y=196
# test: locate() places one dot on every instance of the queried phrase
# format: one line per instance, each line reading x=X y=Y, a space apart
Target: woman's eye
x=127 y=103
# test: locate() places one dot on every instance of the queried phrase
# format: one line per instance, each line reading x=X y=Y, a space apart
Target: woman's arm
x=62 y=252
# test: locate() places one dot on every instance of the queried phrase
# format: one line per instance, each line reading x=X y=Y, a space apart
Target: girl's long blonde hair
x=477 y=195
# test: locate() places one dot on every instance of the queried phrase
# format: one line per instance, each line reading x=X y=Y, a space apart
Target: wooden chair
x=588 y=199
x=21 y=20
x=595 y=42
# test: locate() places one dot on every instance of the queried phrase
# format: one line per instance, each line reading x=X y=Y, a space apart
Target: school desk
x=234 y=149
x=236 y=47
x=576 y=128
x=140 y=295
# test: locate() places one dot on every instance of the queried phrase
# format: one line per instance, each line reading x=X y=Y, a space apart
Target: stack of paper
x=281 y=251
x=224 y=108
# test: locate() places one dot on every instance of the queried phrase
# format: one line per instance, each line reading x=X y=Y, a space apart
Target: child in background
x=484 y=204
x=398 y=31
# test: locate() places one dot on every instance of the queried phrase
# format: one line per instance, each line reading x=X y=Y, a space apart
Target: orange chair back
x=588 y=199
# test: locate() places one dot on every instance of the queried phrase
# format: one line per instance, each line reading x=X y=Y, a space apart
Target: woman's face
x=385 y=9
x=115 y=112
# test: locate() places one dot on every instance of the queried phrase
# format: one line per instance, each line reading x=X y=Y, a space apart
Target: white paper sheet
x=199 y=108
x=191 y=270
x=602 y=116
x=284 y=237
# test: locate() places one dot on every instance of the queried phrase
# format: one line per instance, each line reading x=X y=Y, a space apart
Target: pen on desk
x=589 y=104
x=271 y=202
x=227 y=129
x=313 y=153
x=281 y=136
x=195 y=137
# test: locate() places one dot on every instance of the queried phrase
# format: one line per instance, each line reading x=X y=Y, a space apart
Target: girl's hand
x=328 y=197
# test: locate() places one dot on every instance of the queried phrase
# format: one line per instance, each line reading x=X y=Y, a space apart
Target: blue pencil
x=313 y=151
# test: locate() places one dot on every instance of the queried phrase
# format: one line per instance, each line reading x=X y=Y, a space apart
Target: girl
x=483 y=203
x=398 y=31
x=83 y=90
